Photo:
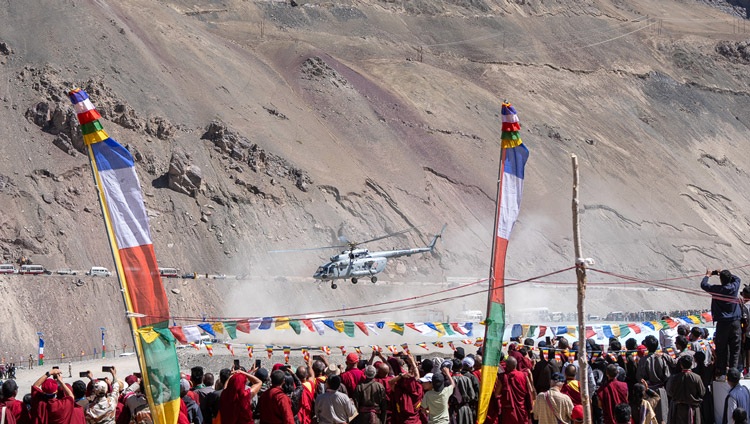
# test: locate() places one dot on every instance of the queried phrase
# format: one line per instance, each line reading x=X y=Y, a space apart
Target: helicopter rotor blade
x=307 y=249
x=387 y=235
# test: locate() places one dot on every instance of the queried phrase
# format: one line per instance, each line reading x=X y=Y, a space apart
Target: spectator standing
x=552 y=406
x=726 y=313
x=611 y=393
x=515 y=394
x=46 y=407
x=14 y=406
x=235 y=405
x=654 y=369
x=406 y=392
x=274 y=405
x=738 y=396
x=686 y=392
x=436 y=395
x=352 y=376
x=370 y=399
x=333 y=407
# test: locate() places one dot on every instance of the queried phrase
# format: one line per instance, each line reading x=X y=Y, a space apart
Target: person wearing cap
x=552 y=406
x=515 y=394
x=436 y=395
x=101 y=409
x=352 y=376
x=189 y=410
x=370 y=399
x=576 y=416
x=45 y=405
x=727 y=314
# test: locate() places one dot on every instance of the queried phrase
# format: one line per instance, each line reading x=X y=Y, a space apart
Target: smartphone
x=419 y=358
x=55 y=367
x=236 y=364
x=548 y=340
x=107 y=368
x=257 y=363
x=714 y=272
x=137 y=374
x=317 y=358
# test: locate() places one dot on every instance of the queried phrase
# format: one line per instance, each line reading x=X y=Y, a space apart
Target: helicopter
x=355 y=263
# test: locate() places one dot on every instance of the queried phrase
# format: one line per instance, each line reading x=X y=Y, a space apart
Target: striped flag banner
x=513 y=157
x=126 y=223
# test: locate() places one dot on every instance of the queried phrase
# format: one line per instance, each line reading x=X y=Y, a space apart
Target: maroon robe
x=406 y=399
x=275 y=407
x=573 y=390
x=613 y=392
x=351 y=379
x=515 y=398
x=45 y=410
x=14 y=407
x=234 y=404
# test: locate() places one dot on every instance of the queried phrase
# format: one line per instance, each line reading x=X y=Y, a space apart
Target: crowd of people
x=648 y=383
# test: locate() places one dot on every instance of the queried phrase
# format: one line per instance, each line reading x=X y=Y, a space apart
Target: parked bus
x=32 y=269
x=169 y=272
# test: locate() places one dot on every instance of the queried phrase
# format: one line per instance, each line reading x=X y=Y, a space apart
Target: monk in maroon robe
x=13 y=405
x=406 y=393
x=46 y=408
x=571 y=387
x=515 y=394
x=235 y=403
x=613 y=392
x=274 y=406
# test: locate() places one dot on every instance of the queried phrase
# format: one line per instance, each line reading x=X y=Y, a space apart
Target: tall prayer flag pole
x=41 y=349
x=513 y=157
x=126 y=223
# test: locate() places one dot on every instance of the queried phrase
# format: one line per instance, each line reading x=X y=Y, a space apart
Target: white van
x=8 y=269
x=99 y=271
x=169 y=272
x=32 y=269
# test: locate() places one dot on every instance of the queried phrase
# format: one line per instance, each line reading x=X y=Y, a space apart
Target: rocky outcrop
x=738 y=52
x=184 y=177
x=60 y=120
x=241 y=149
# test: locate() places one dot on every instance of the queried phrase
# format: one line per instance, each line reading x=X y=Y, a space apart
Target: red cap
x=352 y=358
x=277 y=367
x=641 y=348
x=49 y=386
x=577 y=413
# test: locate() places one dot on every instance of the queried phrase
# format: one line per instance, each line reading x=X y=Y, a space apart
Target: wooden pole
x=581 y=277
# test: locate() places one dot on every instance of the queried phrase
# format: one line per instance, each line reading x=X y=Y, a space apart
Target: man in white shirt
x=334 y=407
x=436 y=395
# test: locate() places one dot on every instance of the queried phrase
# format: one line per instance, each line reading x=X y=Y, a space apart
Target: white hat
x=427 y=378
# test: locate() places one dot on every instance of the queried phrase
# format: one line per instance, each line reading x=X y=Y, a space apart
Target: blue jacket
x=723 y=309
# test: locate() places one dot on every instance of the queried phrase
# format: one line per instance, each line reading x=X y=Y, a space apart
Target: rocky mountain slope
x=259 y=125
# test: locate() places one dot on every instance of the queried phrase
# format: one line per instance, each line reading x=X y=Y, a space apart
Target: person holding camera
x=726 y=313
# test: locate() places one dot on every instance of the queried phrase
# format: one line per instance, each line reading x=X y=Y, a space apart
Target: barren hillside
x=259 y=125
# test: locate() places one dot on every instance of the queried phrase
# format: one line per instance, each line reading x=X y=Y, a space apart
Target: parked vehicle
x=99 y=271
x=169 y=272
x=66 y=271
x=8 y=269
x=32 y=269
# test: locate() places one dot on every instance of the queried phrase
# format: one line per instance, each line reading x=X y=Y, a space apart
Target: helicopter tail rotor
x=437 y=236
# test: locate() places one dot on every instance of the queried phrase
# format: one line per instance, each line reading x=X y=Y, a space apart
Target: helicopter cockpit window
x=342 y=265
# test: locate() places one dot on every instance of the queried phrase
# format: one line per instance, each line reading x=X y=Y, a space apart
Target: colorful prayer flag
x=126 y=223
x=209 y=348
x=229 y=348
x=269 y=351
x=287 y=352
x=249 y=350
